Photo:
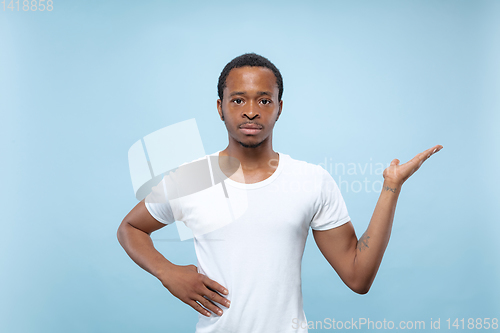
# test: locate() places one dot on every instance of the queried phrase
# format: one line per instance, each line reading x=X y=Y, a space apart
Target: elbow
x=361 y=291
x=361 y=288
x=120 y=232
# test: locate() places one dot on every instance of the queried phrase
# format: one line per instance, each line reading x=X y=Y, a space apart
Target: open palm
x=398 y=174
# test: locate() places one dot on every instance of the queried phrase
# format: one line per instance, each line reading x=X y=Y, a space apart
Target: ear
x=219 y=109
x=279 y=111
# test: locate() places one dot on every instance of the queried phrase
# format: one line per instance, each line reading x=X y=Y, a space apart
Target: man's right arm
x=184 y=282
x=134 y=236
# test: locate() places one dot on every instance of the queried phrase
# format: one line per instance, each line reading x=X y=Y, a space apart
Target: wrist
x=392 y=186
x=165 y=272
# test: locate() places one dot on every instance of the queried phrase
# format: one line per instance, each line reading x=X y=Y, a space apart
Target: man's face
x=250 y=99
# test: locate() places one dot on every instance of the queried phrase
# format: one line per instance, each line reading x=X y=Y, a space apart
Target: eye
x=237 y=100
x=266 y=101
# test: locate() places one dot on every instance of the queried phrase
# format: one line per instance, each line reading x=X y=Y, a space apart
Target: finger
x=429 y=152
x=214 y=296
x=435 y=150
x=195 y=305
x=420 y=158
x=438 y=148
x=395 y=161
x=432 y=150
x=209 y=305
x=214 y=285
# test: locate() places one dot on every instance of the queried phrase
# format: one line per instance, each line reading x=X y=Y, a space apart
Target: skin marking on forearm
x=387 y=188
x=363 y=242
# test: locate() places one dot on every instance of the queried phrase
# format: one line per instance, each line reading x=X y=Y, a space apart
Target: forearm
x=141 y=250
x=371 y=246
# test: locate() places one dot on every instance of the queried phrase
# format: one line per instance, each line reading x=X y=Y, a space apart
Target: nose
x=252 y=110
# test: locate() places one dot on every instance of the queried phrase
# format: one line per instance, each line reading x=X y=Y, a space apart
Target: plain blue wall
x=365 y=82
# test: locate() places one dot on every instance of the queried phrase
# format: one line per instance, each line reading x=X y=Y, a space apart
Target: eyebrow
x=260 y=93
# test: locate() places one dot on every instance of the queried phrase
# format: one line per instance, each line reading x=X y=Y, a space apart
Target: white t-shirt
x=256 y=248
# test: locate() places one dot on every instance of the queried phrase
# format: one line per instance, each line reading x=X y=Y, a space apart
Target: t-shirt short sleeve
x=331 y=211
x=158 y=205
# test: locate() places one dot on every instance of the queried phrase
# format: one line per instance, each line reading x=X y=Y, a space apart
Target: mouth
x=250 y=128
x=250 y=131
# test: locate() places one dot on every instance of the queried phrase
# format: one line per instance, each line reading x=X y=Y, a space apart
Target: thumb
x=395 y=161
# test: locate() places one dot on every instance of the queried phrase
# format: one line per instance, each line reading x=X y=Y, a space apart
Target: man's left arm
x=357 y=261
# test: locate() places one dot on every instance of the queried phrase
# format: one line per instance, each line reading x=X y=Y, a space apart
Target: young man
x=248 y=277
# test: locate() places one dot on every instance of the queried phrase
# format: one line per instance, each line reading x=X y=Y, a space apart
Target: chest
x=278 y=210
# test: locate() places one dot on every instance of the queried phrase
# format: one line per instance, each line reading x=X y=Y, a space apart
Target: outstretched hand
x=397 y=174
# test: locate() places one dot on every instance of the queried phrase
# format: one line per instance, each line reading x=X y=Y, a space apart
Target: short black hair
x=252 y=60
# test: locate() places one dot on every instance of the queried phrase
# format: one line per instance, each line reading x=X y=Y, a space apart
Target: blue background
x=365 y=82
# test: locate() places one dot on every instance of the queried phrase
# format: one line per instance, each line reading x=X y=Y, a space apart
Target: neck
x=260 y=157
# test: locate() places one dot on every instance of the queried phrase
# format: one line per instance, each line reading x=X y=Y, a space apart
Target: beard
x=255 y=145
